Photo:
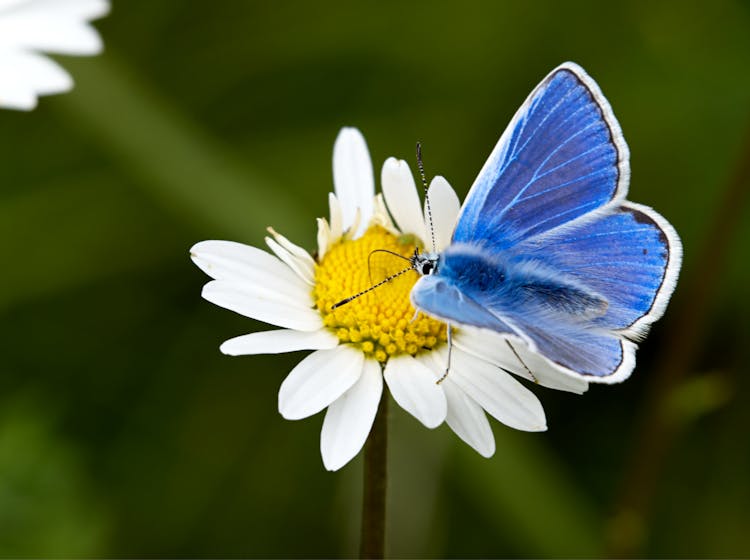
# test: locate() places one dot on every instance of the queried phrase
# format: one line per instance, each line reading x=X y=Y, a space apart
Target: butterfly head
x=425 y=263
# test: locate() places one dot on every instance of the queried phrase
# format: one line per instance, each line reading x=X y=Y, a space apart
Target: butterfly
x=546 y=249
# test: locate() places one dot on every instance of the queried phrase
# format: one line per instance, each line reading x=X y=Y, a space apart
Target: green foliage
x=48 y=505
x=215 y=120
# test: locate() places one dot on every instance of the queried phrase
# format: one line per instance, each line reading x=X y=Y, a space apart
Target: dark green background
x=124 y=431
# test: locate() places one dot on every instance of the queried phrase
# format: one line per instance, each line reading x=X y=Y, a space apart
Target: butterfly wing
x=546 y=243
x=631 y=258
x=562 y=156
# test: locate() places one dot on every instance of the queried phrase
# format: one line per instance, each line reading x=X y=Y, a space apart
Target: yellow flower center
x=382 y=322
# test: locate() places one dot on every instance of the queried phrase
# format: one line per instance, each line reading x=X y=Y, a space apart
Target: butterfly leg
x=522 y=362
x=448 y=365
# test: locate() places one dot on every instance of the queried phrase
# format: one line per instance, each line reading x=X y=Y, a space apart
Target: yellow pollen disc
x=381 y=322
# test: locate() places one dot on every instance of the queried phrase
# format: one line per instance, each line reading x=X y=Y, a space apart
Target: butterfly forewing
x=561 y=157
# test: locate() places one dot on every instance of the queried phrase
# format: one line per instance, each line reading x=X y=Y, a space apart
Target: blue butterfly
x=546 y=248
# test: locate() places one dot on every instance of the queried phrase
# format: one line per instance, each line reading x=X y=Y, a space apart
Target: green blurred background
x=124 y=432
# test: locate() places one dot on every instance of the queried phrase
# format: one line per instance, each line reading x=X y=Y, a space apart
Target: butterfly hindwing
x=630 y=256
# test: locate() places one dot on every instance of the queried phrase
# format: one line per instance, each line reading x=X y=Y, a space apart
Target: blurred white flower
x=377 y=336
x=31 y=27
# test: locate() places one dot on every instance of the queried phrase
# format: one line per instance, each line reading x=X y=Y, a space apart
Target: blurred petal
x=24 y=76
x=318 y=380
x=86 y=10
x=259 y=271
x=48 y=33
x=401 y=196
x=58 y=26
x=237 y=298
x=350 y=417
x=414 y=388
x=279 y=341
x=497 y=392
x=445 y=206
x=353 y=179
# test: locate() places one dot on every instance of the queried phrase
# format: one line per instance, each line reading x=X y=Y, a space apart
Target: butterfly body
x=546 y=250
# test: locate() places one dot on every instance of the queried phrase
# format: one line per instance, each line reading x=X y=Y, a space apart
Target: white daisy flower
x=374 y=337
x=31 y=27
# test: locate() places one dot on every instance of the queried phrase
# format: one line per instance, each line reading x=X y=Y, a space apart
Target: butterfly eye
x=427 y=268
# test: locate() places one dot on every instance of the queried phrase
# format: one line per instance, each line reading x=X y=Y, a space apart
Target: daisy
x=377 y=336
x=31 y=27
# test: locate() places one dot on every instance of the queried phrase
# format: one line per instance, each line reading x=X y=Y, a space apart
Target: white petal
x=324 y=237
x=279 y=341
x=15 y=93
x=304 y=268
x=352 y=178
x=83 y=10
x=293 y=249
x=301 y=256
x=336 y=219
x=318 y=380
x=445 y=207
x=380 y=215
x=414 y=388
x=237 y=298
x=468 y=420
x=493 y=347
x=259 y=271
x=8 y=5
x=497 y=392
x=465 y=417
x=351 y=233
x=49 y=34
x=48 y=25
x=401 y=196
x=349 y=418
x=547 y=374
x=23 y=76
x=58 y=26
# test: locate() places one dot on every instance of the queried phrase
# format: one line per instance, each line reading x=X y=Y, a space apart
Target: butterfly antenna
x=371 y=288
x=426 y=196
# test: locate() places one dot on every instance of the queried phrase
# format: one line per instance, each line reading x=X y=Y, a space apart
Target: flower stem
x=372 y=544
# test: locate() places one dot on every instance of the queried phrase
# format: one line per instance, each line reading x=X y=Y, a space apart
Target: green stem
x=372 y=544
